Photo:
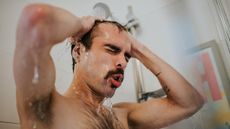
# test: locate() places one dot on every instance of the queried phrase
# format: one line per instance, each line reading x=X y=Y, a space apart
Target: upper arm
x=33 y=67
x=154 y=113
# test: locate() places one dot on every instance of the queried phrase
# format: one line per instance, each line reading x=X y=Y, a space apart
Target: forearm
x=178 y=90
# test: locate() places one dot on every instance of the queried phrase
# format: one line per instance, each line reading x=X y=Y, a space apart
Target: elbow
x=34 y=14
x=196 y=106
x=32 y=23
x=199 y=103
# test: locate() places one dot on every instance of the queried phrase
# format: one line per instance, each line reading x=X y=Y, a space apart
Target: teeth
x=116 y=78
x=113 y=87
x=120 y=79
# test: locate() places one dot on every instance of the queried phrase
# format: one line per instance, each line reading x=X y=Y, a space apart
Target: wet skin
x=40 y=106
x=109 y=52
x=91 y=84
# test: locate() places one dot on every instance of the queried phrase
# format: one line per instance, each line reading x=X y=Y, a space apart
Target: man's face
x=102 y=67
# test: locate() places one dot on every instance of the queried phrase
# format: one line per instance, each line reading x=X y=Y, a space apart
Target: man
x=101 y=52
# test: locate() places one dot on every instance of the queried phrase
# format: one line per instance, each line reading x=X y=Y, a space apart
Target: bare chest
x=78 y=116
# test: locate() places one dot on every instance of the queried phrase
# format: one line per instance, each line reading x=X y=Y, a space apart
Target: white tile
x=9 y=126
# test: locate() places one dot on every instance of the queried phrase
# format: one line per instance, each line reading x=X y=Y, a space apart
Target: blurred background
x=175 y=30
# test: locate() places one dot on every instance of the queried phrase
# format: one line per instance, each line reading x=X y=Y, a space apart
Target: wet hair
x=86 y=40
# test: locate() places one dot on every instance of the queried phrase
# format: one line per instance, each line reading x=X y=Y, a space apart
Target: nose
x=121 y=63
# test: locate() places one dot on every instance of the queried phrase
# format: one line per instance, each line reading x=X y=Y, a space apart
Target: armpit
x=42 y=109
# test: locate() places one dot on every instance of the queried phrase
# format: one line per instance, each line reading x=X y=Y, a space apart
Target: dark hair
x=86 y=39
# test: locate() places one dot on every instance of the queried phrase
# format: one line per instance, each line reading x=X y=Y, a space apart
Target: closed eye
x=127 y=57
x=112 y=48
x=116 y=50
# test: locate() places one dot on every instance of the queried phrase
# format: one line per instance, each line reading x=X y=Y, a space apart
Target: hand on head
x=87 y=23
x=135 y=44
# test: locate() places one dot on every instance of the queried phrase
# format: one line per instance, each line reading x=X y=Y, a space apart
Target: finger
x=100 y=18
x=73 y=40
x=70 y=40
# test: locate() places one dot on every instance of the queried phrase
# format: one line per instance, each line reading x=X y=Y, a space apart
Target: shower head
x=101 y=10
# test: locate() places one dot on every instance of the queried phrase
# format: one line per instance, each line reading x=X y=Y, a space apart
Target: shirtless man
x=98 y=73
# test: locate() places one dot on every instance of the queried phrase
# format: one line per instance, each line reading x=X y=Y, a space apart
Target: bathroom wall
x=206 y=24
x=215 y=113
x=9 y=12
x=168 y=27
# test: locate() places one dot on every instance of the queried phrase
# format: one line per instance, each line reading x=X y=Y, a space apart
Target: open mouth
x=118 y=77
x=113 y=87
x=116 y=80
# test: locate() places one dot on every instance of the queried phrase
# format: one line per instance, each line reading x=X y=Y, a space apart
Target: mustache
x=111 y=72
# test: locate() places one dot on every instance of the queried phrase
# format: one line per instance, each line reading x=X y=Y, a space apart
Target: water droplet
x=30 y=104
x=108 y=104
x=76 y=92
x=34 y=126
x=100 y=106
x=36 y=75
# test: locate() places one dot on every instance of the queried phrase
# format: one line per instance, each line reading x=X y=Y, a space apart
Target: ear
x=76 y=52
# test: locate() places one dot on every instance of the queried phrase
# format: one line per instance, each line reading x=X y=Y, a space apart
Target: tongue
x=115 y=83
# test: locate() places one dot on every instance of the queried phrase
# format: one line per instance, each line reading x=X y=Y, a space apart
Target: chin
x=110 y=93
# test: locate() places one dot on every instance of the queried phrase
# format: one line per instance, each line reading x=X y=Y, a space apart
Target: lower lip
x=115 y=83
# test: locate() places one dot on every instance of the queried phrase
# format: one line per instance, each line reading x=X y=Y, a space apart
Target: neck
x=79 y=89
